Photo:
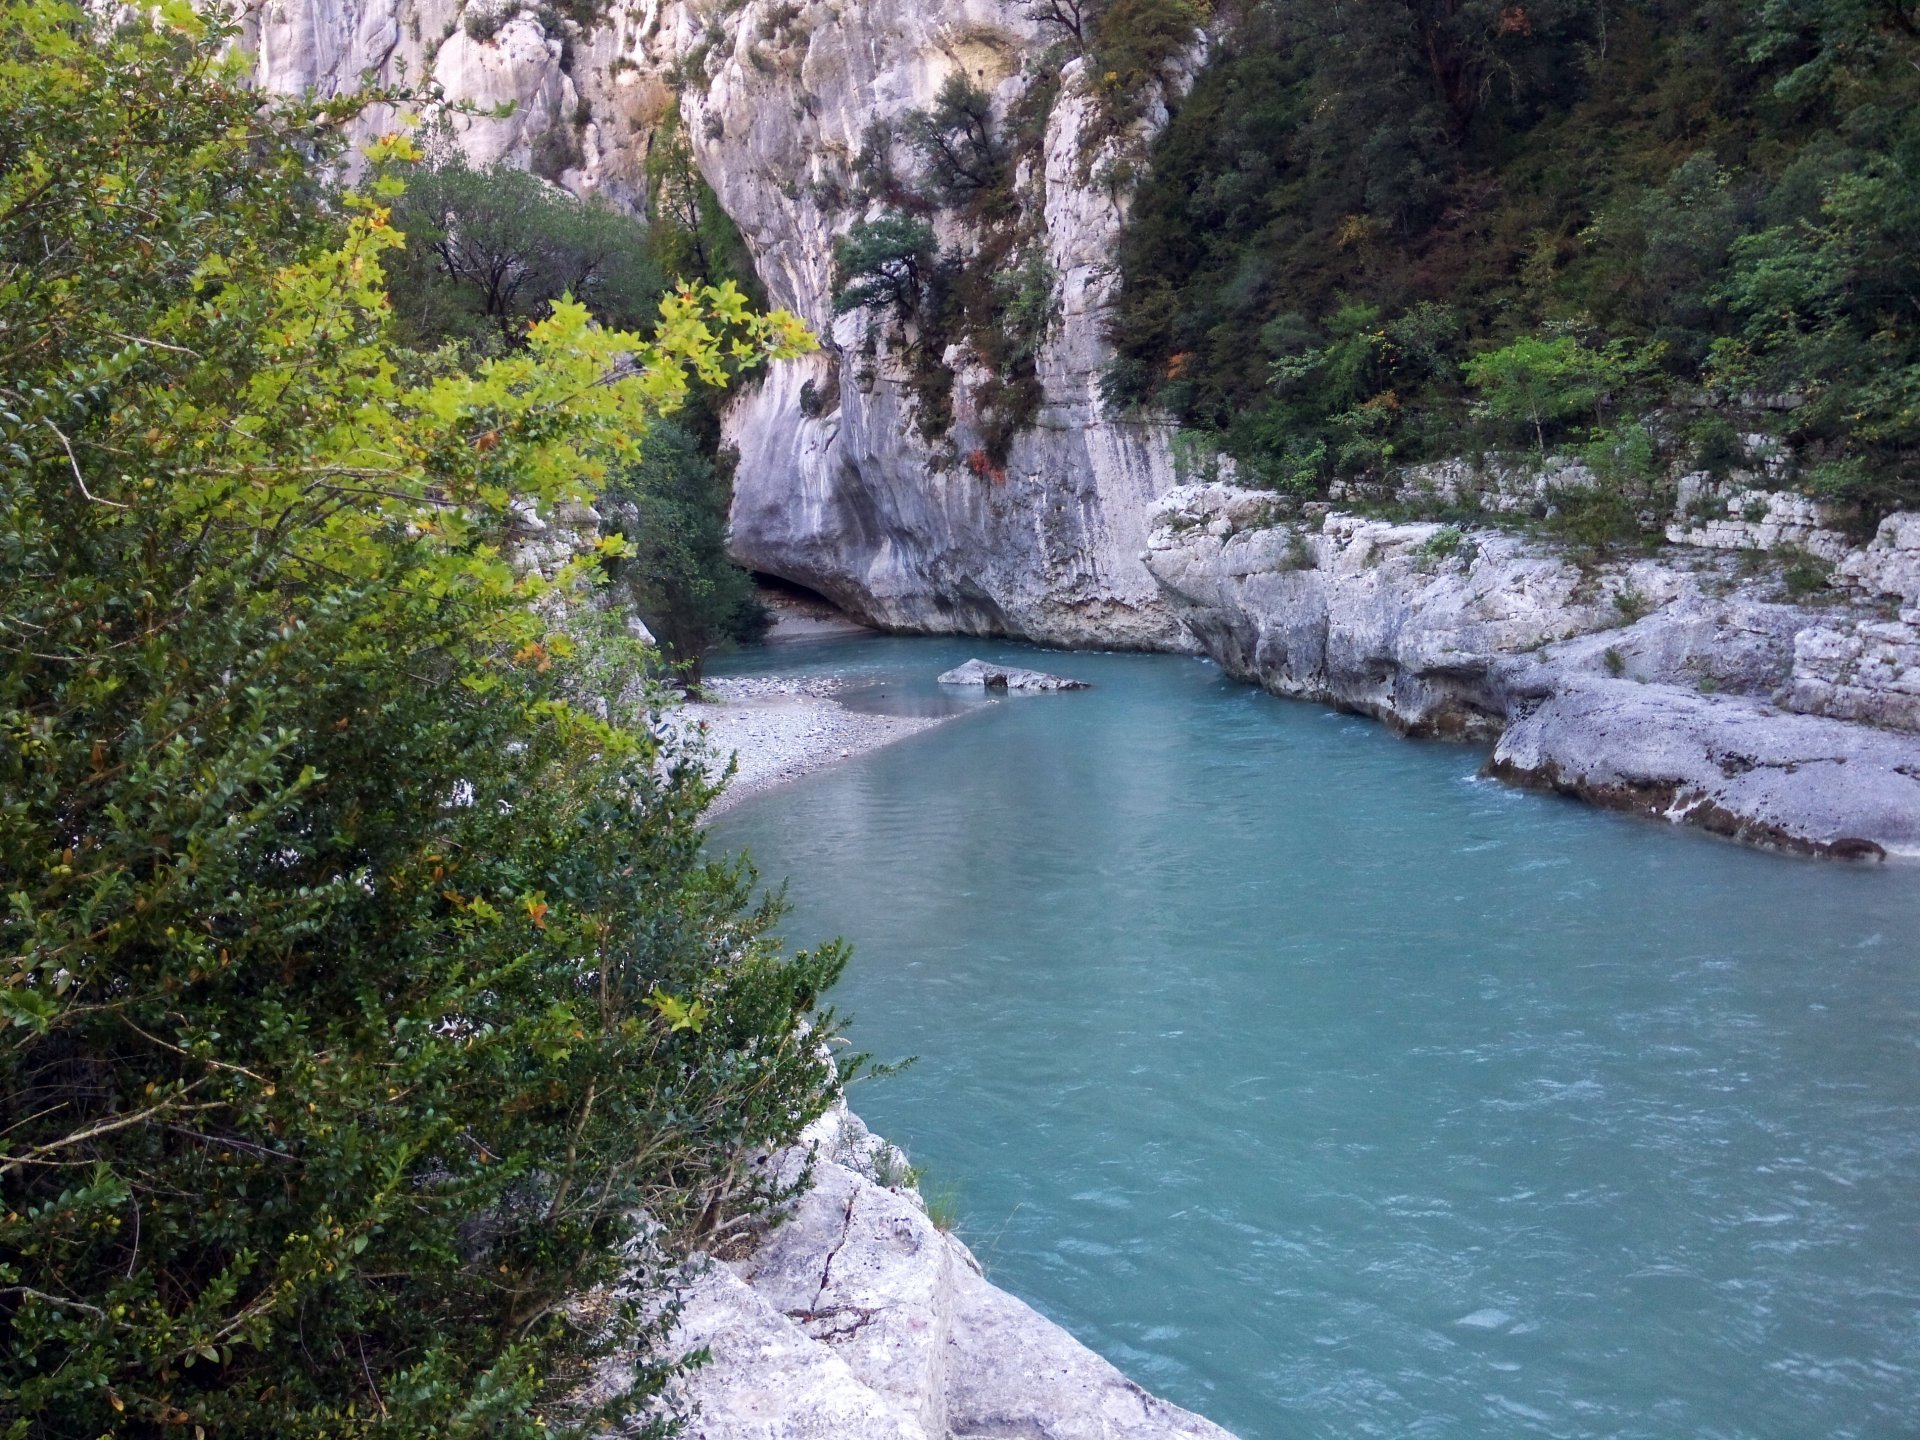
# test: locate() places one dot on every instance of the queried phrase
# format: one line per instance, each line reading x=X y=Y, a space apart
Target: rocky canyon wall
x=1075 y=533
x=843 y=495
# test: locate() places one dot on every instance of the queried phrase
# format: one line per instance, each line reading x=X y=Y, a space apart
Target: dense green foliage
x=885 y=264
x=1359 y=201
x=670 y=507
x=691 y=237
x=488 y=251
x=361 y=977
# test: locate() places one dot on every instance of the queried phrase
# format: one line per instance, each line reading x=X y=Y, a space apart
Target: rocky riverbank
x=858 y=1318
x=774 y=729
x=1691 y=685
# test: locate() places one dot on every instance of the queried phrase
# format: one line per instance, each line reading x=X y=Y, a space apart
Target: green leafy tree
x=884 y=264
x=964 y=160
x=670 y=506
x=1546 y=381
x=361 y=977
x=489 y=250
x=690 y=235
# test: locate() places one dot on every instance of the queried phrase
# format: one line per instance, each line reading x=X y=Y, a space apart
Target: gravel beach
x=780 y=728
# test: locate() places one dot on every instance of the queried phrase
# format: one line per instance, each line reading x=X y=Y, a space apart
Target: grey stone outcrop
x=1677 y=685
x=1007 y=677
x=857 y=1318
x=1731 y=765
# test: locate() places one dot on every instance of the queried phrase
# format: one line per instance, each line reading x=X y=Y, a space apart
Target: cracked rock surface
x=858 y=1319
x=1735 y=766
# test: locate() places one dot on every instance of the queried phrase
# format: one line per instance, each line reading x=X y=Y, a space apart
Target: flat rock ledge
x=1008 y=677
x=858 y=1319
x=1732 y=766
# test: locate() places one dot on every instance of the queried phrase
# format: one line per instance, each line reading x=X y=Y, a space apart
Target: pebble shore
x=778 y=728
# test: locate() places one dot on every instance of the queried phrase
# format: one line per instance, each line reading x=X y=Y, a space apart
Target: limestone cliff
x=1685 y=686
x=1077 y=535
x=777 y=99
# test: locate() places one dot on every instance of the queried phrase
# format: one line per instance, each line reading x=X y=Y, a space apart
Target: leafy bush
x=488 y=251
x=1134 y=44
x=484 y=19
x=691 y=237
x=363 y=981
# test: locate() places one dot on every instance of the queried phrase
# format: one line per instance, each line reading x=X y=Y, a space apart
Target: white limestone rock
x=767 y=1378
x=1491 y=635
x=1007 y=677
x=851 y=501
x=864 y=1272
x=1746 y=518
x=1890 y=566
x=1869 y=672
x=1731 y=765
x=1015 y=1375
x=861 y=1270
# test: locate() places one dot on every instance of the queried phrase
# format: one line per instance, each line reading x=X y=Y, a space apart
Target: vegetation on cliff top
x=1366 y=213
x=361 y=976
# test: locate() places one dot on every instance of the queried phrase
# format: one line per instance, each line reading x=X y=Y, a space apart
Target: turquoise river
x=1333 y=1091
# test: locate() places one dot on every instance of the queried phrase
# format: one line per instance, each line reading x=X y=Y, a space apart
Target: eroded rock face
x=1666 y=686
x=1868 y=672
x=1729 y=764
x=858 y=1319
x=853 y=501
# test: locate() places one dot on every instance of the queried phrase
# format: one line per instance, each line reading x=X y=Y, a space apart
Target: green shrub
x=488 y=252
x=1540 y=382
x=484 y=19
x=690 y=236
x=1133 y=44
x=363 y=980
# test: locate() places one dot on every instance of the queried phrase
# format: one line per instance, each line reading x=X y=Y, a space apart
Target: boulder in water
x=1008 y=677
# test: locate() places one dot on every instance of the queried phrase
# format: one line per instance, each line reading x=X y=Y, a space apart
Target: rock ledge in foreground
x=1008 y=677
x=857 y=1318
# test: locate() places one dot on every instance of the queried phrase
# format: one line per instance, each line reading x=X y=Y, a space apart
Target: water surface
x=1332 y=1091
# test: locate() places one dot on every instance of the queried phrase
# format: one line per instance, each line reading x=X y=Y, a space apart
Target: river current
x=1333 y=1091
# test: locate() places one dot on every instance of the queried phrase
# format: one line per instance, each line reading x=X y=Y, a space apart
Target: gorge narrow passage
x=1331 y=1090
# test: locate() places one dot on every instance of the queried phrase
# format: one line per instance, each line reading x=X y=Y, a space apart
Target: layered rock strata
x=1675 y=686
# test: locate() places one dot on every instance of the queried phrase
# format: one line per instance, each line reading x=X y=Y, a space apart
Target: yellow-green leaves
x=679 y=1014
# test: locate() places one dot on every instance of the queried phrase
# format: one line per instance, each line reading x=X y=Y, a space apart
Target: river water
x=1333 y=1091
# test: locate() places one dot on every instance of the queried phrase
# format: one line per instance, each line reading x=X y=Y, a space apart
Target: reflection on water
x=1333 y=1091
x=893 y=697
